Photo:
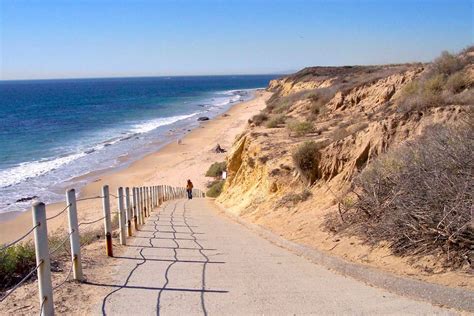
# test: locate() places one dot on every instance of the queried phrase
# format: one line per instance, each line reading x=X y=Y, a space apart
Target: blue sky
x=105 y=38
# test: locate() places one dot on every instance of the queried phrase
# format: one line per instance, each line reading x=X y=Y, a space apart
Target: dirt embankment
x=351 y=115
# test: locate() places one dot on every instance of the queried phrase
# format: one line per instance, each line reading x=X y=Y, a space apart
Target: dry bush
x=457 y=82
x=339 y=134
x=291 y=199
x=306 y=159
x=259 y=119
x=438 y=86
x=447 y=64
x=276 y=121
x=318 y=100
x=301 y=128
x=418 y=197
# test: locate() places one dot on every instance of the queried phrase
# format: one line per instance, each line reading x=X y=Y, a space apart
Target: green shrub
x=276 y=121
x=215 y=188
x=259 y=119
x=216 y=169
x=301 y=128
x=306 y=160
x=15 y=263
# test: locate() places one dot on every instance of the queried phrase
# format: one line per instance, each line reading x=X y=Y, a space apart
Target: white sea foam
x=32 y=169
x=153 y=124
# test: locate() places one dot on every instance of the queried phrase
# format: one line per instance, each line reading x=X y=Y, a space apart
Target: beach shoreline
x=171 y=164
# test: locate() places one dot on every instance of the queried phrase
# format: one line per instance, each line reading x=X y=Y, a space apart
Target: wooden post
x=159 y=195
x=107 y=220
x=152 y=190
x=42 y=259
x=135 y=207
x=147 y=202
x=74 y=235
x=140 y=206
x=129 y=211
x=121 y=210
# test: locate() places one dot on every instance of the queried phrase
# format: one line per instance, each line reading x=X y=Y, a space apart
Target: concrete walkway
x=188 y=260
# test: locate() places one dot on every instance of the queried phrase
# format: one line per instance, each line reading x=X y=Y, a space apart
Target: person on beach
x=189 y=189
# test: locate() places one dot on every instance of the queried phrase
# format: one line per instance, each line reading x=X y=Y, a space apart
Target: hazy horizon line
x=151 y=76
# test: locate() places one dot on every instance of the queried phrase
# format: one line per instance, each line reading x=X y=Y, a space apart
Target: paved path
x=189 y=260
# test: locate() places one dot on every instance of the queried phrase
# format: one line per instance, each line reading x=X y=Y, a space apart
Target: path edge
x=444 y=296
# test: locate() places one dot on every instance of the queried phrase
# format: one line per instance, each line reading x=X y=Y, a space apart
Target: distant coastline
x=76 y=157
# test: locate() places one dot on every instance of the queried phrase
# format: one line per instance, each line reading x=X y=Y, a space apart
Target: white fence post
x=42 y=259
x=140 y=196
x=148 y=197
x=121 y=210
x=129 y=211
x=134 y=199
x=74 y=234
x=147 y=201
x=107 y=220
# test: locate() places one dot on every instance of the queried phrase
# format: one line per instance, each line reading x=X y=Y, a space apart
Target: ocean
x=55 y=132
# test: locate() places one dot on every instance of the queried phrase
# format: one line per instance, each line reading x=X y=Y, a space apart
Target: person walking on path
x=189 y=189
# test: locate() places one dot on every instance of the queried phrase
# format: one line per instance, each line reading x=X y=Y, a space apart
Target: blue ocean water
x=52 y=131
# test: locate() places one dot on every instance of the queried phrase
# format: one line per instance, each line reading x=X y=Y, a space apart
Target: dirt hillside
x=348 y=116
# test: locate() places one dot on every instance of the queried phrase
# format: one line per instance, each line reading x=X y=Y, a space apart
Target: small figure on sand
x=189 y=189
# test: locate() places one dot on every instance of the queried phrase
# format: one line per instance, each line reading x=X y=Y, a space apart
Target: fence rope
x=113 y=195
x=90 y=198
x=62 y=243
x=64 y=281
x=19 y=239
x=91 y=222
x=54 y=216
x=22 y=281
x=42 y=305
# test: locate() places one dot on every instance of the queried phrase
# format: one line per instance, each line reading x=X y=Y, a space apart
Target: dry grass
x=301 y=128
x=276 y=121
x=291 y=199
x=418 y=198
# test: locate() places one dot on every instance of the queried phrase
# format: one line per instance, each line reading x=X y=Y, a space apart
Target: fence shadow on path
x=173 y=218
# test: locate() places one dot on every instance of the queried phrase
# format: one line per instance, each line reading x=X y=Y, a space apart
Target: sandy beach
x=173 y=164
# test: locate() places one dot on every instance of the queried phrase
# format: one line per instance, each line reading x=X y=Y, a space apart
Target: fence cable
x=62 y=243
x=91 y=222
x=19 y=239
x=90 y=198
x=65 y=280
x=22 y=281
x=42 y=305
x=54 y=216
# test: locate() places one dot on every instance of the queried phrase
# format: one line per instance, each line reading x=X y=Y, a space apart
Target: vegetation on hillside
x=360 y=127
x=418 y=198
x=216 y=169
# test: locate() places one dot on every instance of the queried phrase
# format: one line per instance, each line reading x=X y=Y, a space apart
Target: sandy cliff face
x=359 y=121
